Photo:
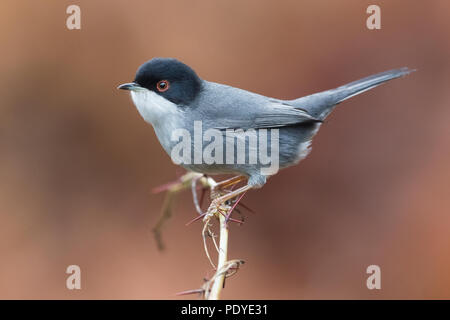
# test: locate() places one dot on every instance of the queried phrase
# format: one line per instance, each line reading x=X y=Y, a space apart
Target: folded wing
x=274 y=115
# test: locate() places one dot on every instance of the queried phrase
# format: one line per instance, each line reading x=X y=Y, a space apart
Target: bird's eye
x=162 y=85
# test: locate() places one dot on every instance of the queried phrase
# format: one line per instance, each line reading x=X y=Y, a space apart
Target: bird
x=170 y=95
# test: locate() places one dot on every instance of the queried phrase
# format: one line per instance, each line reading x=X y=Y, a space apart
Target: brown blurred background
x=78 y=162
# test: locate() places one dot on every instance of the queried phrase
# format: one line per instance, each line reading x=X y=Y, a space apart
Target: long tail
x=321 y=104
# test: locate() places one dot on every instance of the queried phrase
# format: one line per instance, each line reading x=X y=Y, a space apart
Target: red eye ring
x=162 y=85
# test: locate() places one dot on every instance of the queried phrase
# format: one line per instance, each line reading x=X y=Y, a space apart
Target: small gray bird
x=170 y=95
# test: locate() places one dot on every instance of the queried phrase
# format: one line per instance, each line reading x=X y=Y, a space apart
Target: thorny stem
x=219 y=277
x=213 y=287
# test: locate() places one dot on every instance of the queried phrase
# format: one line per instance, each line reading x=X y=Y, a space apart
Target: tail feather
x=321 y=104
x=359 y=86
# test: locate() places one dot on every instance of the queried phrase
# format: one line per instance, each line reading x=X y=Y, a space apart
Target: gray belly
x=294 y=145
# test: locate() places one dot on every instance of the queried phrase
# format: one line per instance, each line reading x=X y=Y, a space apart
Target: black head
x=169 y=78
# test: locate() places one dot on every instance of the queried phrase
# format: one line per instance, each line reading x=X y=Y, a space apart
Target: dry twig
x=212 y=288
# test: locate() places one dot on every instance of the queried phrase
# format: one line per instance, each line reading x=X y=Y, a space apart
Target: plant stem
x=219 y=277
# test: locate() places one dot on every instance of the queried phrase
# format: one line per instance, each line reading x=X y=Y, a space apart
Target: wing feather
x=275 y=115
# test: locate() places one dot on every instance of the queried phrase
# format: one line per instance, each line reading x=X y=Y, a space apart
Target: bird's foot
x=223 y=204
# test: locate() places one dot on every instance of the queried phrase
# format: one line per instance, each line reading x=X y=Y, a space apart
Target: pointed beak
x=129 y=86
